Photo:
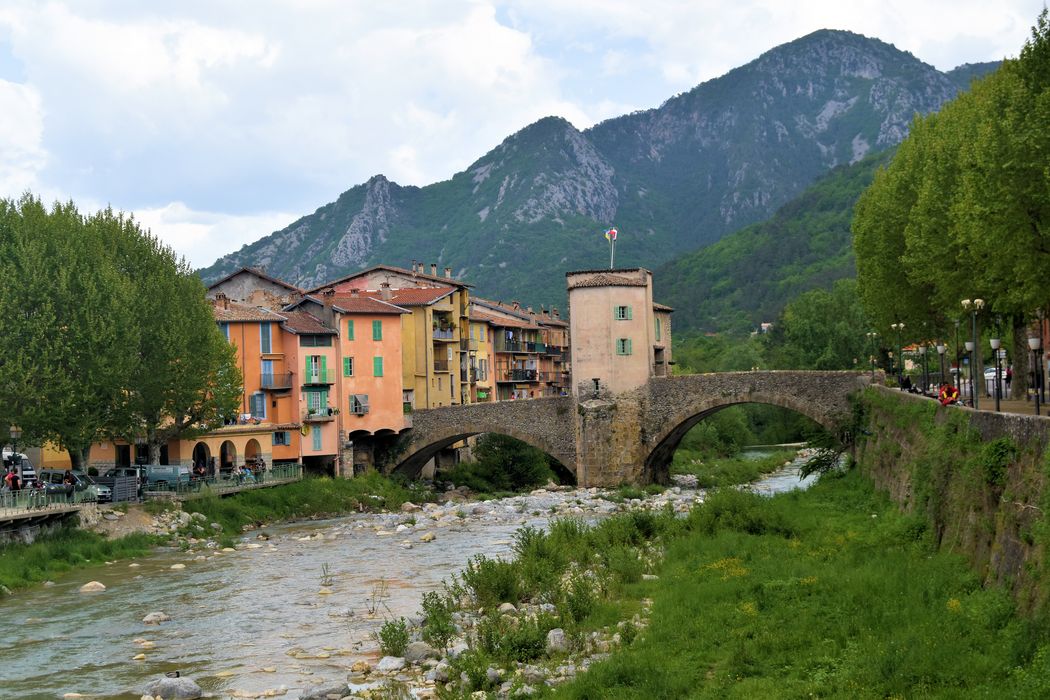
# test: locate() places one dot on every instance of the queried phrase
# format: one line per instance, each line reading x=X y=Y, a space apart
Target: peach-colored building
x=619 y=335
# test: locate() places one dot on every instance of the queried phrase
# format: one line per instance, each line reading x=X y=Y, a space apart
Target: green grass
x=310 y=498
x=712 y=472
x=22 y=565
x=826 y=593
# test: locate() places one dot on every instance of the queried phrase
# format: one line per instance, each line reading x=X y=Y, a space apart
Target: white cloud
x=22 y=153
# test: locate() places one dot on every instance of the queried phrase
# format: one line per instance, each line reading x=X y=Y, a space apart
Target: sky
x=217 y=122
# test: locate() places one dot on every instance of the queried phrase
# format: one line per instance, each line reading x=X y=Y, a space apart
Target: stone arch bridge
x=605 y=440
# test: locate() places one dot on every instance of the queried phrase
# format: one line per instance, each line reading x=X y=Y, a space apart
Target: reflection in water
x=251 y=619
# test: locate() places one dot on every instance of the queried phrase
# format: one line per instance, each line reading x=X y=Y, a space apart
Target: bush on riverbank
x=712 y=471
x=502 y=464
x=22 y=565
x=312 y=497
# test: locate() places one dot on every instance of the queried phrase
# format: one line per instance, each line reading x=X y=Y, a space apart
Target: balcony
x=516 y=375
x=319 y=415
x=468 y=345
x=504 y=345
x=276 y=382
x=445 y=334
x=441 y=365
x=319 y=377
x=468 y=375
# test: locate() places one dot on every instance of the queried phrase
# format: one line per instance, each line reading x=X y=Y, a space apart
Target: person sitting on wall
x=906 y=384
x=949 y=394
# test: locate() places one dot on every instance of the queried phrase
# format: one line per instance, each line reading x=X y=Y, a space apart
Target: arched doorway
x=227 y=457
x=202 y=460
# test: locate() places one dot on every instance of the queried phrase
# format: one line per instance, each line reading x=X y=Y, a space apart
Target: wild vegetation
x=502 y=465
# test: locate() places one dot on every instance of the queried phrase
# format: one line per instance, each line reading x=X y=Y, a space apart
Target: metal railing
x=30 y=499
x=504 y=345
x=516 y=375
x=319 y=377
x=230 y=481
x=468 y=344
x=440 y=365
x=444 y=333
x=319 y=415
x=276 y=381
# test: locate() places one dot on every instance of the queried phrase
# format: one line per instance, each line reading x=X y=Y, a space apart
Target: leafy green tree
x=821 y=330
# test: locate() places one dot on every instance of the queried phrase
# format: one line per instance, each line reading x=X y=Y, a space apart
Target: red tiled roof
x=501 y=321
x=604 y=279
x=233 y=312
x=413 y=296
x=360 y=304
x=661 y=307
x=302 y=323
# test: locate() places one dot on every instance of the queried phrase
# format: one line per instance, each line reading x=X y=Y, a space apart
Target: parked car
x=167 y=476
x=137 y=473
x=53 y=483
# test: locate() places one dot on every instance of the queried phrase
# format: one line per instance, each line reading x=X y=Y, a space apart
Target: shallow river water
x=252 y=620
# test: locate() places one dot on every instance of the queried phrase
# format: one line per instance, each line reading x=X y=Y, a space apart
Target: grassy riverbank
x=713 y=471
x=22 y=565
x=826 y=593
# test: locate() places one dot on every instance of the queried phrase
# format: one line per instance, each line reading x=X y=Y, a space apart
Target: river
x=253 y=620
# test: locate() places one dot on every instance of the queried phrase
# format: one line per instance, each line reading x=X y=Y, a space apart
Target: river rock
x=325 y=692
x=557 y=641
x=439 y=673
x=389 y=664
x=409 y=507
x=178 y=567
x=92 y=587
x=155 y=618
x=507 y=609
x=361 y=666
x=418 y=651
x=174 y=689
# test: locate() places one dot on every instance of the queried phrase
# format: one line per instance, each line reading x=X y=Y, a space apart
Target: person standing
x=70 y=482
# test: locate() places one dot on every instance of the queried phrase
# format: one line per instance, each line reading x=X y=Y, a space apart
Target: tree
x=821 y=330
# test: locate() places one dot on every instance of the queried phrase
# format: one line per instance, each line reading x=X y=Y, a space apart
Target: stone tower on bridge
x=620 y=338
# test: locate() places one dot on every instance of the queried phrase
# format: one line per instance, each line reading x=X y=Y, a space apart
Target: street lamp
x=925 y=375
x=969 y=351
x=871 y=341
x=974 y=308
x=1037 y=369
x=996 y=342
x=940 y=351
x=16 y=435
x=899 y=327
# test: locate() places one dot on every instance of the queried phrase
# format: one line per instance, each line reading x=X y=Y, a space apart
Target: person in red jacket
x=949 y=394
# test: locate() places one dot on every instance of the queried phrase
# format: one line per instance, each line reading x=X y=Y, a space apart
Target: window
x=377 y=366
x=257 y=405
x=316 y=401
x=348 y=366
x=224 y=328
x=264 y=338
x=349 y=329
x=656 y=322
x=622 y=313
x=281 y=437
x=623 y=346
x=359 y=404
x=377 y=330
x=316 y=432
x=483 y=334
x=315 y=341
x=316 y=370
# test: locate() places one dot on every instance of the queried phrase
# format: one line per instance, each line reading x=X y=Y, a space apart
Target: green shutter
x=349 y=329
x=656 y=322
x=630 y=344
x=630 y=313
x=324 y=368
x=377 y=366
x=347 y=372
x=377 y=330
x=306 y=366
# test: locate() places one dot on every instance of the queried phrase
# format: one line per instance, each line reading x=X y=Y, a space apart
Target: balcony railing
x=276 y=381
x=444 y=334
x=504 y=345
x=440 y=365
x=319 y=415
x=517 y=375
x=319 y=377
x=468 y=344
x=468 y=375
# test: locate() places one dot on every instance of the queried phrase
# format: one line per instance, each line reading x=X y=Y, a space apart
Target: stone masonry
x=606 y=440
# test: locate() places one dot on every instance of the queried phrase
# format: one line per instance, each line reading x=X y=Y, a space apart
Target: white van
x=26 y=471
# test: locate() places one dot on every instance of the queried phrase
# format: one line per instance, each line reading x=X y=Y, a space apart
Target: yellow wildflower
x=954 y=606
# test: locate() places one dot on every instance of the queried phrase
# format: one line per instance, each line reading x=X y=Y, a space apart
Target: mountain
x=749 y=275
x=709 y=161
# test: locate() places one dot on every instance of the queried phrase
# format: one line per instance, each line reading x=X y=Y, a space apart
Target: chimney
x=223 y=299
x=529 y=309
x=353 y=291
x=515 y=305
x=433 y=269
x=448 y=272
x=414 y=265
x=554 y=312
x=384 y=291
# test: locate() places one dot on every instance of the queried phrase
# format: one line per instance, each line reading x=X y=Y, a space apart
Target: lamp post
x=974 y=308
x=958 y=354
x=1033 y=344
x=899 y=327
x=969 y=351
x=940 y=351
x=871 y=342
x=996 y=343
x=16 y=434
x=925 y=374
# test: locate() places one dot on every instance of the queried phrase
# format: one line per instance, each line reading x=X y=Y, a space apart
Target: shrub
x=741 y=511
x=490 y=581
x=624 y=564
x=438 y=627
x=513 y=641
x=502 y=463
x=996 y=457
x=393 y=637
x=580 y=598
